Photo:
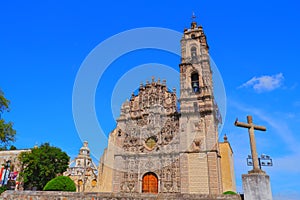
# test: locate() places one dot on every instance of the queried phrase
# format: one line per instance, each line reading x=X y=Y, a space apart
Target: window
x=194 y=53
x=151 y=142
x=94 y=182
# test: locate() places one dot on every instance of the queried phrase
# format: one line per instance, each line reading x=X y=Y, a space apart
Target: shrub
x=60 y=183
x=3 y=189
x=229 y=192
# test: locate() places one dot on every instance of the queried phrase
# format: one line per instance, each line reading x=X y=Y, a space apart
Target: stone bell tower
x=199 y=148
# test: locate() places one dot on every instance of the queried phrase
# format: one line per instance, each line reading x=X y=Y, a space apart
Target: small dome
x=85 y=150
x=225 y=138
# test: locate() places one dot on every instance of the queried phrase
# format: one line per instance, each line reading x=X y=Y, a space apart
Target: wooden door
x=150 y=183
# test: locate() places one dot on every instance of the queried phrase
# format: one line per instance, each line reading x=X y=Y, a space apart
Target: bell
x=195 y=86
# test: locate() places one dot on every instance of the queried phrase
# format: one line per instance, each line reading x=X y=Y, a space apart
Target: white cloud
x=265 y=83
x=289 y=163
x=296 y=104
x=285 y=171
x=278 y=124
x=293 y=196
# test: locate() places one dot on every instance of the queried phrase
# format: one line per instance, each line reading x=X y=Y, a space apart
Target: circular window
x=94 y=183
x=151 y=142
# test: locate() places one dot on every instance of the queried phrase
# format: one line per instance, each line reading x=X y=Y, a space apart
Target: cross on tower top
x=193 y=17
x=251 y=127
x=194 y=23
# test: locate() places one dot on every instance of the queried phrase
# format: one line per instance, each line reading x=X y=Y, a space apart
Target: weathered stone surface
x=180 y=150
x=257 y=187
x=198 y=122
x=39 y=195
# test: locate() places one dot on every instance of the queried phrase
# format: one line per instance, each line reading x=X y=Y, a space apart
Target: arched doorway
x=150 y=183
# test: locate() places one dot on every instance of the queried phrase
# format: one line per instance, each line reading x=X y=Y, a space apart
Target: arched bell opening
x=195 y=82
x=194 y=54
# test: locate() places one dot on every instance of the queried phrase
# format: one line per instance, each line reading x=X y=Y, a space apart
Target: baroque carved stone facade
x=146 y=140
x=157 y=148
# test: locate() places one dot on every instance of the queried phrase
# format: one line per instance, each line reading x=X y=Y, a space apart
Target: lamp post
x=263 y=160
x=6 y=166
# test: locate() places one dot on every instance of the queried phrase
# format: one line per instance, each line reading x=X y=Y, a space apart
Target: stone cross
x=251 y=127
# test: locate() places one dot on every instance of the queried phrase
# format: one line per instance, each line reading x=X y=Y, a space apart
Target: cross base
x=256 y=171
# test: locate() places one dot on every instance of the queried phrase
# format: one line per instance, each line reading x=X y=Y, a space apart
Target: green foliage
x=4 y=148
x=2 y=189
x=41 y=165
x=7 y=133
x=229 y=192
x=61 y=183
x=4 y=103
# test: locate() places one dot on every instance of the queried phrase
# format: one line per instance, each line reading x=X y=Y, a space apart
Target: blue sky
x=255 y=46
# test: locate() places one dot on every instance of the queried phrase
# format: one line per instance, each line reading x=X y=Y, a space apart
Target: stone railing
x=39 y=195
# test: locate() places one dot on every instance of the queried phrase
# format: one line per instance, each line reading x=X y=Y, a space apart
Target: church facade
x=83 y=171
x=157 y=148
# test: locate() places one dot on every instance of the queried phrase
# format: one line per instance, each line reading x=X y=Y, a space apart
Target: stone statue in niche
x=131 y=185
x=168 y=186
x=200 y=126
x=197 y=145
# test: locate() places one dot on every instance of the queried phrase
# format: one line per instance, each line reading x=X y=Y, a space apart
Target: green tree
x=41 y=165
x=12 y=147
x=7 y=133
x=61 y=183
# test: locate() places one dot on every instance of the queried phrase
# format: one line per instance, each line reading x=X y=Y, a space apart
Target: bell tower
x=199 y=148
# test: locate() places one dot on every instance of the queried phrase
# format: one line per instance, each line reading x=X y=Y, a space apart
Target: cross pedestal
x=256 y=186
x=256 y=183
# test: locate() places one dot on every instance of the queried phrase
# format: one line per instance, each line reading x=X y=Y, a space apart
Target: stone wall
x=39 y=195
